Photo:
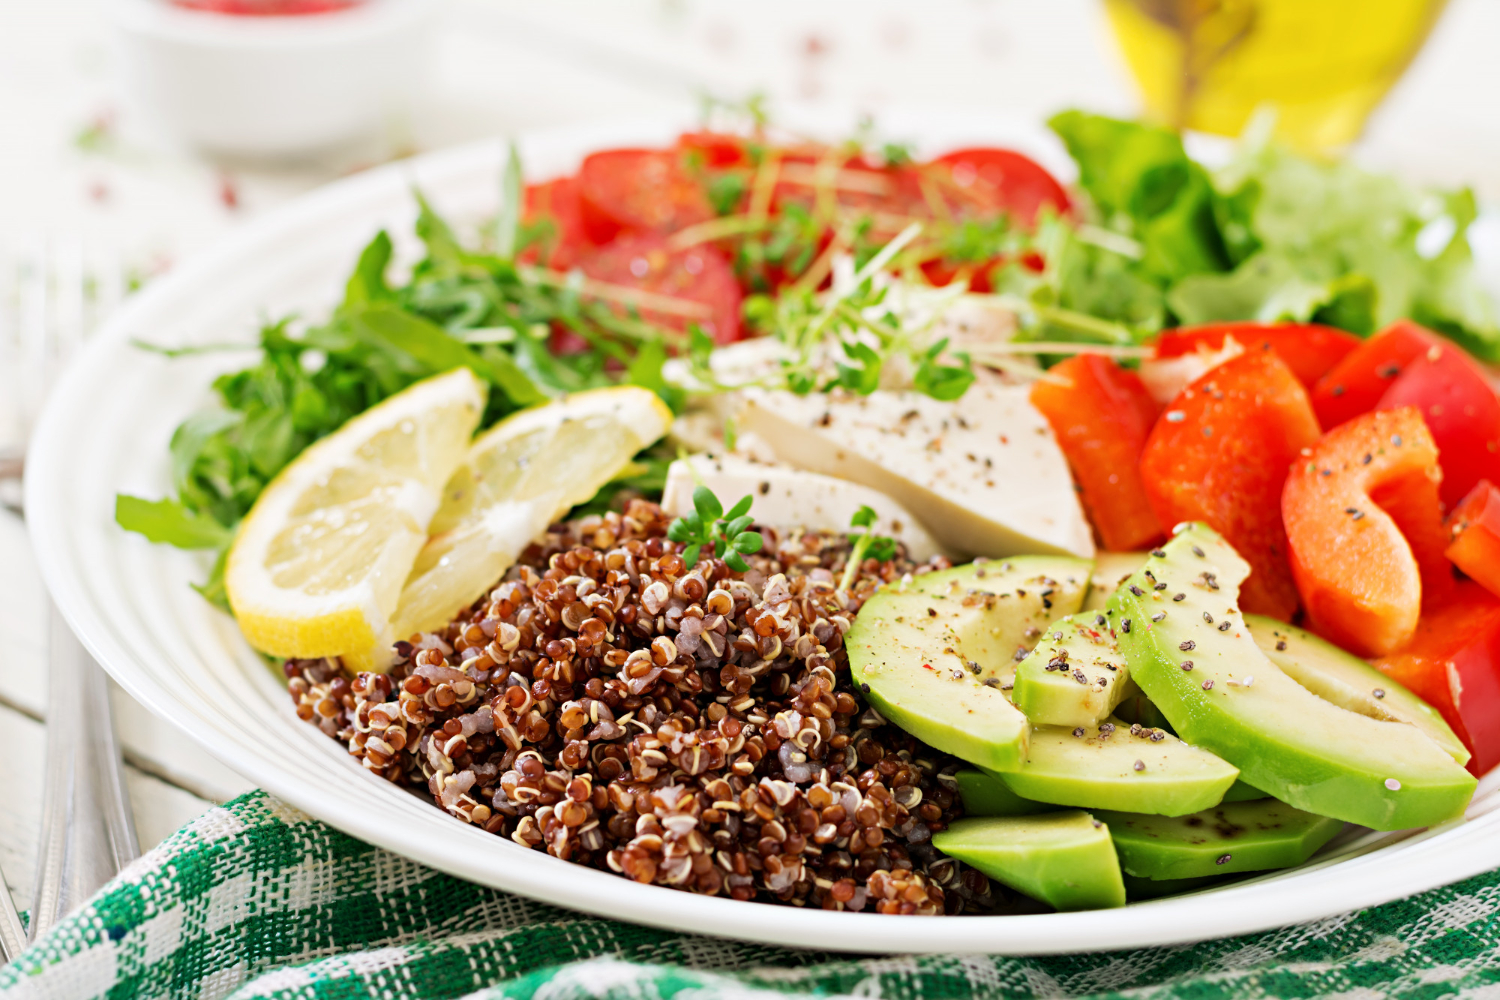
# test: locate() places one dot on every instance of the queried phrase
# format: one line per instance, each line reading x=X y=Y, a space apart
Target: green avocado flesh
x=1232 y=837
x=986 y=795
x=1242 y=791
x=1075 y=676
x=1110 y=570
x=1189 y=649
x=1349 y=682
x=1064 y=859
x=1097 y=769
x=923 y=651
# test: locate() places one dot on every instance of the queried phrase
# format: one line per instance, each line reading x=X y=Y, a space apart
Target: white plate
x=106 y=430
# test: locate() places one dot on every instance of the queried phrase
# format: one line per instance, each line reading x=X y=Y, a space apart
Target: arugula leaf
x=512 y=195
x=170 y=522
x=367 y=283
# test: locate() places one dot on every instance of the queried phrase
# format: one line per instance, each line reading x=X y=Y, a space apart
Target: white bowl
x=107 y=426
x=273 y=86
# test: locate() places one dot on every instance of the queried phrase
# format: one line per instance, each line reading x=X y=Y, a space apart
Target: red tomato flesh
x=1461 y=411
x=987 y=180
x=1308 y=349
x=638 y=191
x=1102 y=418
x=718 y=149
x=699 y=277
x=1356 y=384
x=1220 y=454
x=1453 y=663
x=557 y=202
x=1366 y=531
x=1474 y=527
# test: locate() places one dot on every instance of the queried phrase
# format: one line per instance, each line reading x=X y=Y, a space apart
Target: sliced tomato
x=556 y=203
x=1366 y=531
x=1356 y=384
x=718 y=149
x=1102 y=418
x=1461 y=411
x=985 y=180
x=1474 y=527
x=639 y=191
x=1220 y=454
x=1308 y=349
x=1453 y=663
x=698 y=280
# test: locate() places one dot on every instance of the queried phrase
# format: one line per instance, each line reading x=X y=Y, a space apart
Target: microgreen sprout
x=867 y=545
x=711 y=527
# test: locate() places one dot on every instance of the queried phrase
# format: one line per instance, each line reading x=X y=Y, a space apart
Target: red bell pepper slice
x=1366 y=531
x=1453 y=663
x=1460 y=409
x=1474 y=527
x=1308 y=349
x=1356 y=384
x=1220 y=454
x=1101 y=417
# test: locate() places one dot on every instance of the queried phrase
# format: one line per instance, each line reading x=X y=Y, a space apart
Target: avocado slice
x=1110 y=570
x=986 y=795
x=1064 y=859
x=1349 y=682
x=1232 y=837
x=1115 y=766
x=922 y=651
x=1191 y=652
x=1075 y=676
x=1135 y=707
x=1139 y=889
x=1243 y=791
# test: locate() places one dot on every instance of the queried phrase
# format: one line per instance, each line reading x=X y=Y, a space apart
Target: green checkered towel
x=258 y=900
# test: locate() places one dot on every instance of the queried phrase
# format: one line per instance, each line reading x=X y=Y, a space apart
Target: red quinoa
x=691 y=727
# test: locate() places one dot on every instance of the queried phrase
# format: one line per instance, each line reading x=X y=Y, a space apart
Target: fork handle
x=88 y=833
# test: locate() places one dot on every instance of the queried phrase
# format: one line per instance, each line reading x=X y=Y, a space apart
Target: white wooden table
x=76 y=160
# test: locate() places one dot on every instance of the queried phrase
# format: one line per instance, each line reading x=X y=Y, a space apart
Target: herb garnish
x=722 y=533
x=867 y=545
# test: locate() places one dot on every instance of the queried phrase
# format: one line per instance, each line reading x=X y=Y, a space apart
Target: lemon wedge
x=318 y=564
x=519 y=477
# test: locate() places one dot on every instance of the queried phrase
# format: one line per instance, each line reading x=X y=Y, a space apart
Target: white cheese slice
x=983 y=473
x=793 y=498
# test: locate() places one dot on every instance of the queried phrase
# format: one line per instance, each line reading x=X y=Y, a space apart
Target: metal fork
x=53 y=292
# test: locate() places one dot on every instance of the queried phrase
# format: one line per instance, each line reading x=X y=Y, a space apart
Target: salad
x=810 y=524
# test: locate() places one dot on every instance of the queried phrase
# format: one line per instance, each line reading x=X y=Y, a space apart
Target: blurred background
x=94 y=146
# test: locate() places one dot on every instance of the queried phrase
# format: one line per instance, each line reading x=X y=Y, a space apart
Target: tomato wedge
x=1460 y=409
x=1220 y=454
x=718 y=149
x=638 y=191
x=1102 y=418
x=1356 y=384
x=1308 y=349
x=1453 y=663
x=1474 y=527
x=698 y=281
x=556 y=202
x=1366 y=531
x=985 y=180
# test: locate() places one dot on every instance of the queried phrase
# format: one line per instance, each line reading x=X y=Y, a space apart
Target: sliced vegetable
x=1358 y=382
x=1366 y=531
x=1308 y=349
x=1220 y=454
x=1235 y=837
x=639 y=191
x=1474 y=527
x=698 y=280
x=1453 y=663
x=1102 y=417
x=1460 y=409
x=993 y=180
x=553 y=223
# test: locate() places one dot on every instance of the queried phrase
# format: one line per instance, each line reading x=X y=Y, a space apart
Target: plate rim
x=1433 y=858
